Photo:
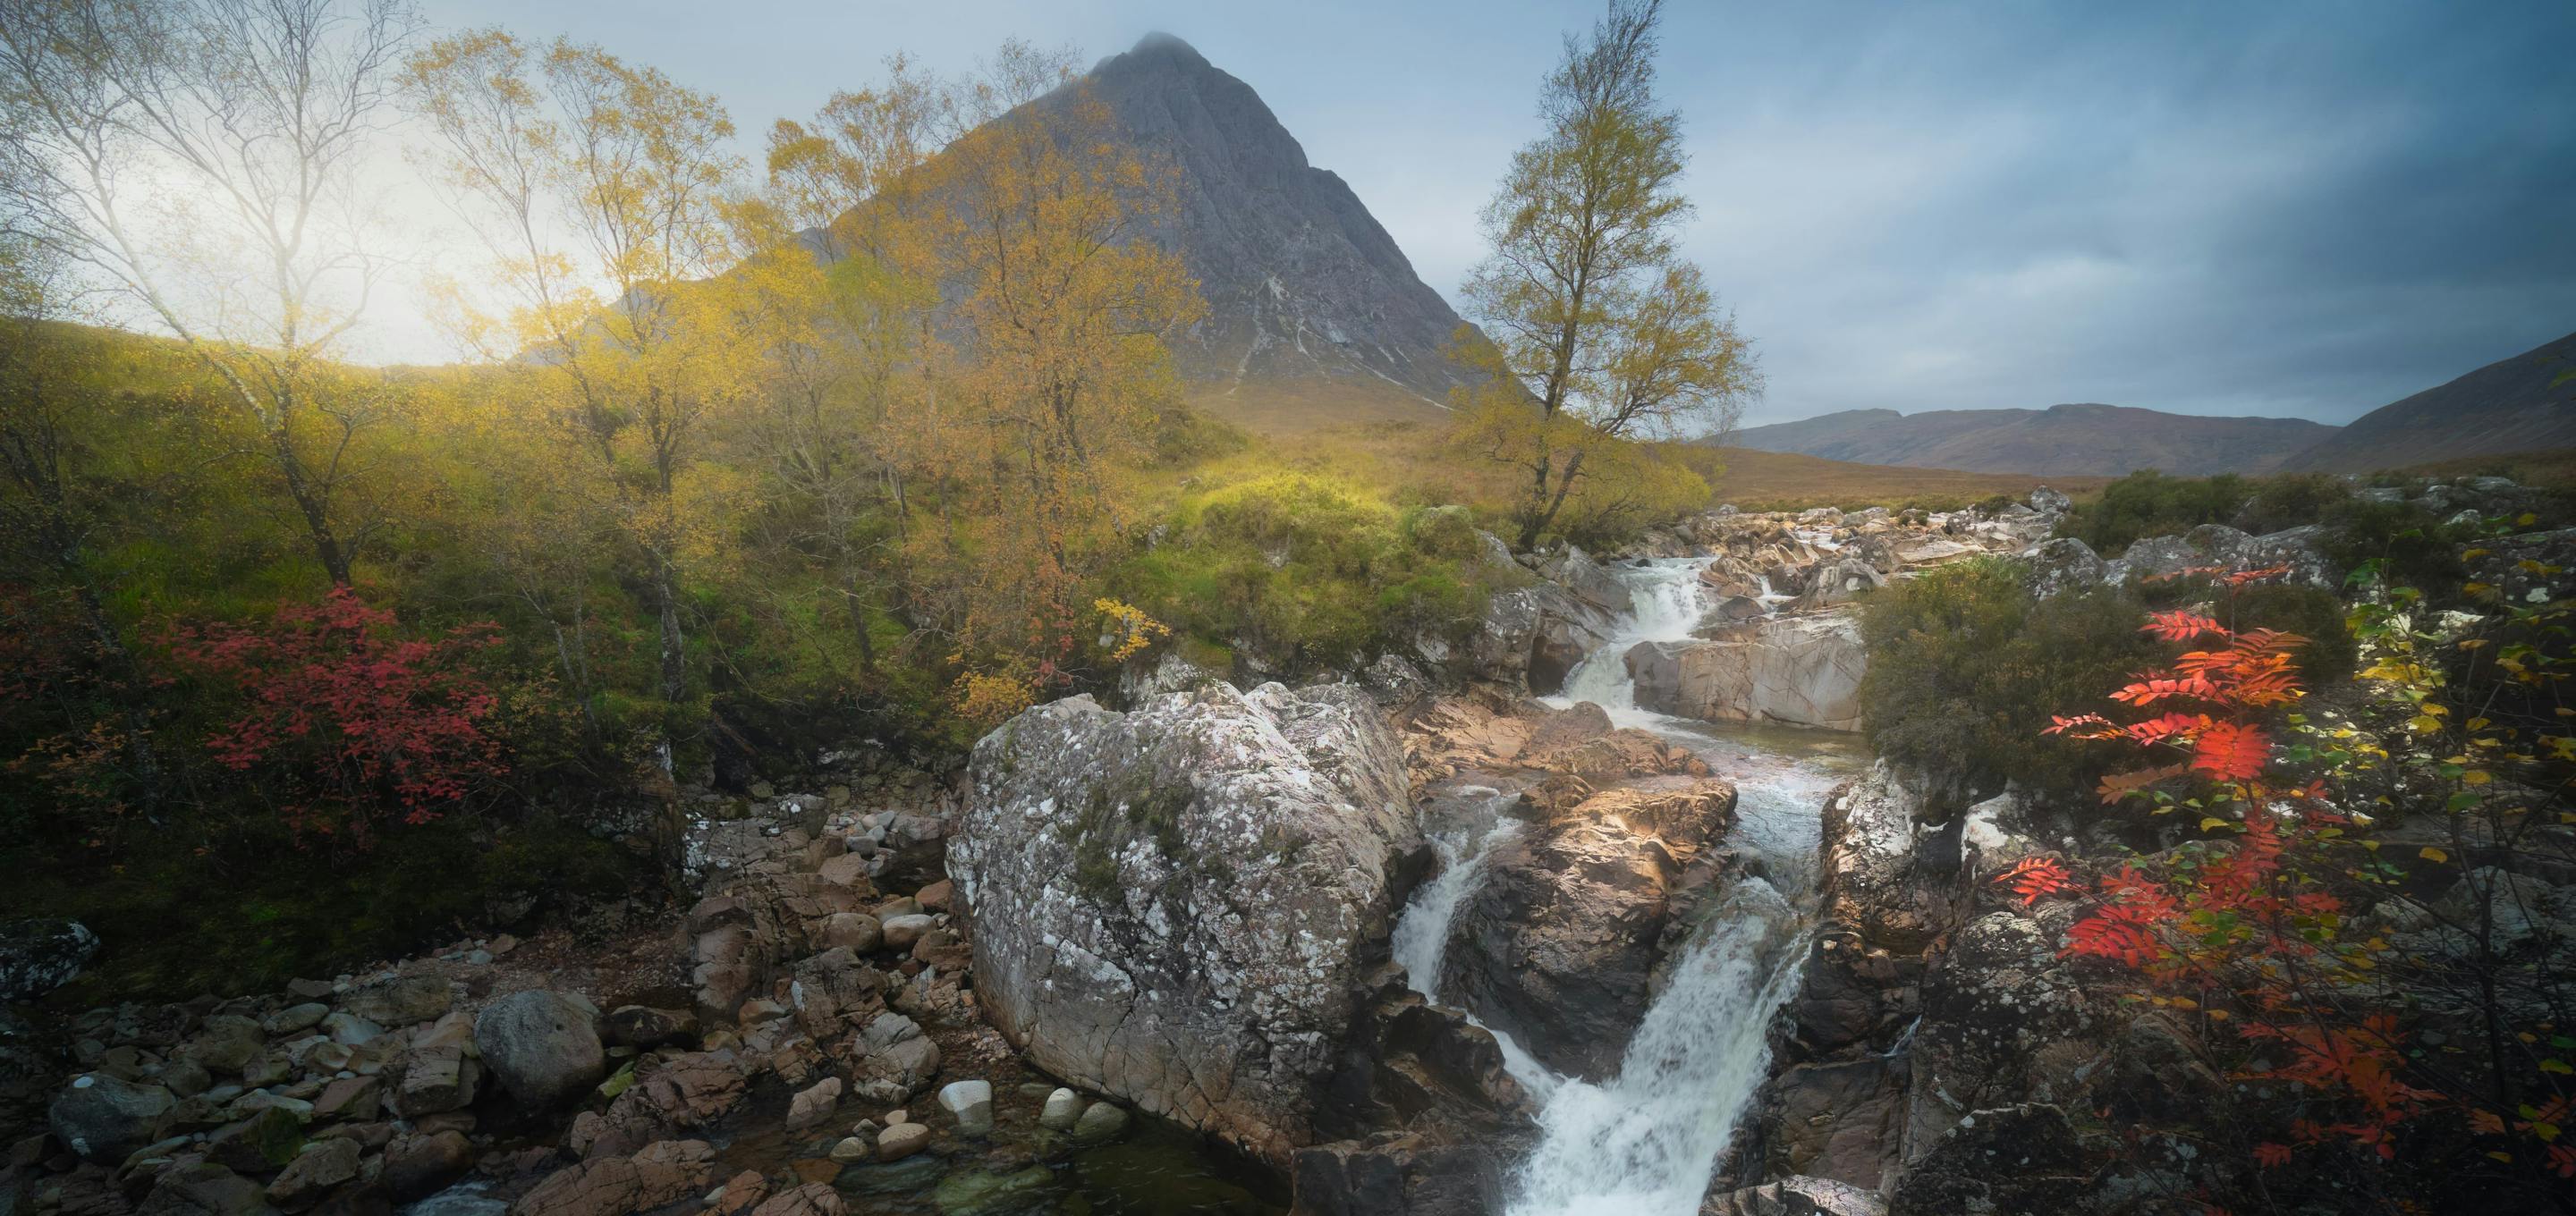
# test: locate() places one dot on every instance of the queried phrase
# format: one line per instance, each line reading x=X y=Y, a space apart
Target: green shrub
x=1965 y=669
x=2293 y=500
x=2417 y=549
x=2148 y=503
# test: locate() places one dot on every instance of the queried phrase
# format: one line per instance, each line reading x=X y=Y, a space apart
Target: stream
x=1645 y=1142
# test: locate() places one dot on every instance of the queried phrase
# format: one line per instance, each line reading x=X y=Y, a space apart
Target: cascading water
x=1645 y=1142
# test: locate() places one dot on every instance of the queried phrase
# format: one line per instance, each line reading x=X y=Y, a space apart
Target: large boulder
x=2062 y=565
x=1527 y=627
x=661 y=1174
x=1803 y=671
x=2216 y=546
x=1559 y=944
x=1873 y=875
x=103 y=1119
x=542 y=1046
x=38 y=956
x=1170 y=906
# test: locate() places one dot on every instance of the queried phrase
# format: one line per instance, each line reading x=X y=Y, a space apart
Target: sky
x=2302 y=208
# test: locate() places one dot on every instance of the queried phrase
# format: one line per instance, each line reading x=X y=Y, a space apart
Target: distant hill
x=2060 y=441
x=2508 y=407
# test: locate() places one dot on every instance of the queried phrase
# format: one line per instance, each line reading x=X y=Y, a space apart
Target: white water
x=1645 y=1142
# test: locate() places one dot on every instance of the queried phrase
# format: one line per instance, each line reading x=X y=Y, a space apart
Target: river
x=1645 y=1142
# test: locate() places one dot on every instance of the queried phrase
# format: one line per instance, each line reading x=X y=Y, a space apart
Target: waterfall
x=1666 y=602
x=1645 y=1142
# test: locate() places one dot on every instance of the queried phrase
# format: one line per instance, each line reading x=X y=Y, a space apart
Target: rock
x=1063 y=1109
x=1100 y=1123
x=38 y=956
x=1556 y=647
x=902 y=931
x=200 y=1188
x=349 y=1100
x=983 y=1193
x=856 y=932
x=226 y=1044
x=419 y=1165
x=811 y=1199
x=442 y=1074
x=1803 y=671
x=403 y=1001
x=850 y=1150
x=661 y=1174
x=1966 y=1170
x=1844 y=1121
x=1405 y=1176
x=1507 y=639
x=2062 y=565
x=543 y=1047
x=1559 y=944
x=1393 y=682
x=2050 y=502
x=1184 y=891
x=641 y=1026
x=682 y=1095
x=350 y=1030
x=1838 y=582
x=263 y=1143
x=971 y=1104
x=2300 y=549
x=1797 y=1196
x=296 y=1017
x=103 y=1119
x=1870 y=834
x=814 y=1104
x=902 y=1140
x=899 y=1060
x=322 y=1165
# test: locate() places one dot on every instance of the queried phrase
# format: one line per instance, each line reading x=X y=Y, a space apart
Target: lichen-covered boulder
x=38 y=956
x=1169 y=905
x=2062 y=565
x=1872 y=832
x=1801 y=671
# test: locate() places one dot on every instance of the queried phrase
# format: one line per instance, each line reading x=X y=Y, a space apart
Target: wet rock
x=103 y=1119
x=971 y=1104
x=543 y=1047
x=2012 y=1159
x=985 y=1193
x=1403 y=1176
x=1508 y=638
x=1872 y=831
x=322 y=1165
x=902 y=1140
x=1063 y=1108
x=1843 y=1121
x=1796 y=1196
x=641 y=1026
x=1184 y=892
x=661 y=1174
x=420 y=1165
x=811 y=1199
x=38 y=956
x=814 y=1104
x=1802 y=671
x=1101 y=1122
x=403 y=1001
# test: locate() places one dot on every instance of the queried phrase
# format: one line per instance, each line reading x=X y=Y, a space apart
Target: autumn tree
x=259 y=117
x=1600 y=332
x=602 y=189
x=1059 y=370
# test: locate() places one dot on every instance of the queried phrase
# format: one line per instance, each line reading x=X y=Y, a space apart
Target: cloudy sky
x=2296 y=208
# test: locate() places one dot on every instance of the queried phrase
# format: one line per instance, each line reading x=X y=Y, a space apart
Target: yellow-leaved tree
x=1602 y=335
x=603 y=191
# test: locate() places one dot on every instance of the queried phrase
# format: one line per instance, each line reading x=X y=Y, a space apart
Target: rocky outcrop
x=1560 y=943
x=1800 y=671
x=2065 y=564
x=1530 y=637
x=1170 y=905
x=2299 y=550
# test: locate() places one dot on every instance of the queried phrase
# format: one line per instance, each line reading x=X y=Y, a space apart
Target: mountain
x=2062 y=440
x=1301 y=281
x=2507 y=407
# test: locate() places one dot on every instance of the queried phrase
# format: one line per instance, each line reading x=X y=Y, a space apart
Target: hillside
x=2060 y=441
x=2508 y=407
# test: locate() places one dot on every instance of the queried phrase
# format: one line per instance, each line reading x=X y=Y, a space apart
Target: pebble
x=902 y=1140
x=1063 y=1110
x=971 y=1102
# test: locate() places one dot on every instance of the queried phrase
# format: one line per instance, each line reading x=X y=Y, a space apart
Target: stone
x=441 y=1073
x=227 y=1043
x=40 y=955
x=1797 y=1196
x=201 y=1188
x=902 y=1140
x=263 y=1143
x=2062 y=565
x=811 y=1199
x=642 y=1026
x=322 y=1165
x=899 y=1060
x=294 y=1018
x=1063 y=1109
x=1227 y=852
x=423 y=1164
x=971 y=1104
x=985 y=1193
x=1100 y=1123
x=1507 y=641
x=1843 y=1121
x=349 y=1099
x=350 y=1030
x=404 y=1001
x=103 y=1119
x=662 y=1173
x=543 y=1047
x=851 y=1149
x=902 y=931
x=856 y=932
x=1405 y=1176
x=1800 y=671
x=814 y=1104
